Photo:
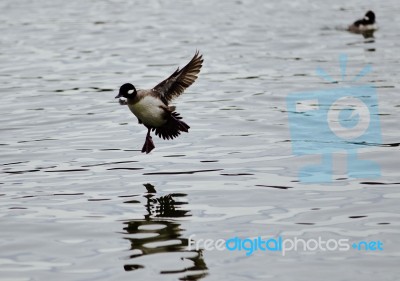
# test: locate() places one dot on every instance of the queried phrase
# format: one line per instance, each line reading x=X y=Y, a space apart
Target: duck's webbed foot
x=148 y=144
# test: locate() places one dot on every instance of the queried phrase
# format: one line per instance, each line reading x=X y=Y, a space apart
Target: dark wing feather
x=174 y=85
x=358 y=23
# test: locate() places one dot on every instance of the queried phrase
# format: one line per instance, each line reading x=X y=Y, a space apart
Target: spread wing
x=174 y=85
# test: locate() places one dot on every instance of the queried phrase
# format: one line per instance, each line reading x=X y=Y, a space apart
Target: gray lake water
x=80 y=202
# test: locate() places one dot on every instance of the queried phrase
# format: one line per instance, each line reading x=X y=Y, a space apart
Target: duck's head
x=127 y=91
x=370 y=17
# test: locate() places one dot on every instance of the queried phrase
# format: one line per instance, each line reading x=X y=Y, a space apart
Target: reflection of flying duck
x=159 y=233
x=366 y=25
x=164 y=206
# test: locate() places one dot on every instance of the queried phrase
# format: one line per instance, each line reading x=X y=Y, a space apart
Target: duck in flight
x=152 y=108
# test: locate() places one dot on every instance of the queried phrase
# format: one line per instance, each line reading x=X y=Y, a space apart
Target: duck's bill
x=118 y=96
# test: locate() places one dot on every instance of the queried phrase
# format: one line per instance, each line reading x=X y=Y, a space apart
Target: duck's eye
x=130 y=92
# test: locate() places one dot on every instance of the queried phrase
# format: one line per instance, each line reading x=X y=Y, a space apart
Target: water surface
x=80 y=202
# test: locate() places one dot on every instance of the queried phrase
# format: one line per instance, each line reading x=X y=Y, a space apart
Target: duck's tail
x=172 y=128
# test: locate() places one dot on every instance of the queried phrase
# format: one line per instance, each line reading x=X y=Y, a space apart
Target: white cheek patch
x=130 y=92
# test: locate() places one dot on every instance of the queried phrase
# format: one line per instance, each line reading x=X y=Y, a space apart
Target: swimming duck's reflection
x=160 y=233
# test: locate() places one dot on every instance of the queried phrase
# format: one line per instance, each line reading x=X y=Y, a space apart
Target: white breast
x=148 y=110
x=368 y=27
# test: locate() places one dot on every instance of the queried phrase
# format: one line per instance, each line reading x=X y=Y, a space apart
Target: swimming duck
x=364 y=25
x=152 y=108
